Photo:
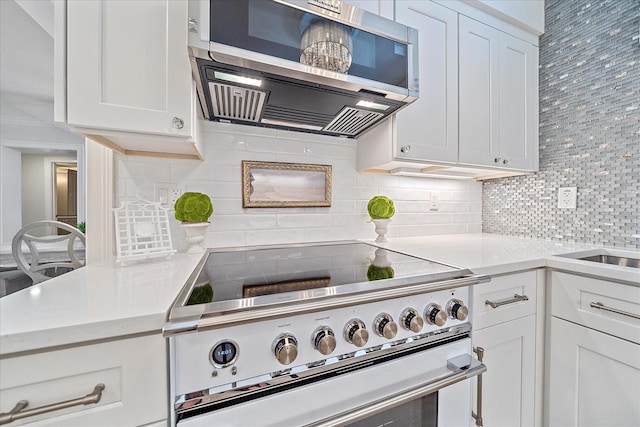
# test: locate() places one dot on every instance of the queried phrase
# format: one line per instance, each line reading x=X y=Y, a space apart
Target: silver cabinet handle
x=516 y=298
x=177 y=123
x=405 y=148
x=478 y=414
x=17 y=412
x=601 y=306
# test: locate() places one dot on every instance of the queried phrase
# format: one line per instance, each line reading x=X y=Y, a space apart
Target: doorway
x=65 y=188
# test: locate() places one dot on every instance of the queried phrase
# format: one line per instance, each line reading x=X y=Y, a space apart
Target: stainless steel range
x=325 y=334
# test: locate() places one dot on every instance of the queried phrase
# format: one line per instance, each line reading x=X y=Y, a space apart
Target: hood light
x=237 y=79
x=373 y=105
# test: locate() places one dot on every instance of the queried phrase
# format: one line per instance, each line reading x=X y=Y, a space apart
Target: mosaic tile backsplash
x=589 y=131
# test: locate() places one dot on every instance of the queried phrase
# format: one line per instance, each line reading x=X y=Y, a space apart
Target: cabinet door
x=128 y=67
x=429 y=126
x=508 y=389
x=594 y=378
x=479 y=93
x=518 y=102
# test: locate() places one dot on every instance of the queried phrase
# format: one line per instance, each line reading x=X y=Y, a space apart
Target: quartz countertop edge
x=104 y=301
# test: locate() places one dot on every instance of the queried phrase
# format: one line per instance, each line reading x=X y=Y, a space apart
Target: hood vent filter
x=234 y=102
x=351 y=121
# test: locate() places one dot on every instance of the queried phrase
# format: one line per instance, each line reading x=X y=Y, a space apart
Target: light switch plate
x=434 y=202
x=567 y=197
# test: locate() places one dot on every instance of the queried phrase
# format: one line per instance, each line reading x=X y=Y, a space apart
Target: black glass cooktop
x=254 y=273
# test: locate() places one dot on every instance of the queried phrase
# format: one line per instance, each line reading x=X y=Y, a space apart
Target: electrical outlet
x=567 y=197
x=434 y=202
x=167 y=193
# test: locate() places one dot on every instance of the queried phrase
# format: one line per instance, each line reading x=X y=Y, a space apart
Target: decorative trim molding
x=100 y=190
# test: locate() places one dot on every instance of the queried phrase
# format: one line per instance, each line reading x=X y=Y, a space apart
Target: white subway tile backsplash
x=474 y=207
x=344 y=220
x=274 y=236
x=303 y=220
x=223 y=239
x=219 y=175
x=328 y=234
x=467 y=218
x=333 y=151
x=405 y=193
x=273 y=145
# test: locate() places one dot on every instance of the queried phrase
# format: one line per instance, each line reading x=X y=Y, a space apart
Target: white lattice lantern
x=142 y=232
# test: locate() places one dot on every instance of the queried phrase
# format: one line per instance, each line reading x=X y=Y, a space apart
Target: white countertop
x=103 y=300
x=99 y=301
x=496 y=254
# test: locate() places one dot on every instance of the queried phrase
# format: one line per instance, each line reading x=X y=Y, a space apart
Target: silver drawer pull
x=601 y=306
x=17 y=412
x=516 y=298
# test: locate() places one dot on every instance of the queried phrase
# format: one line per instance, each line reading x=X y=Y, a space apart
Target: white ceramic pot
x=381 y=229
x=195 y=236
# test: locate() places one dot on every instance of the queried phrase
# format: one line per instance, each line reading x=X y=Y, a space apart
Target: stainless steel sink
x=605 y=257
x=614 y=260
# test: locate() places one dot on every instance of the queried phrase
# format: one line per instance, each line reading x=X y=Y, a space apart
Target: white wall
x=219 y=175
x=26 y=126
x=33 y=190
x=37 y=185
x=10 y=192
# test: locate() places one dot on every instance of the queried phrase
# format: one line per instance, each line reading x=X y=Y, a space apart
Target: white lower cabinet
x=133 y=372
x=508 y=386
x=594 y=378
x=594 y=352
x=505 y=320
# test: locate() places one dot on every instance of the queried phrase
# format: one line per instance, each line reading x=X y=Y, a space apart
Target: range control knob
x=457 y=310
x=356 y=333
x=411 y=320
x=285 y=347
x=324 y=340
x=434 y=315
x=385 y=326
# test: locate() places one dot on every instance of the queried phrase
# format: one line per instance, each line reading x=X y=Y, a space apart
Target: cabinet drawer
x=508 y=294
x=133 y=372
x=572 y=297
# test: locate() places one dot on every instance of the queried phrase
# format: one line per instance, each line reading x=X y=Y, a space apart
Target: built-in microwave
x=319 y=66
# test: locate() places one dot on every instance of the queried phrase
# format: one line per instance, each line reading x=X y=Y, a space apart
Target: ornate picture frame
x=285 y=185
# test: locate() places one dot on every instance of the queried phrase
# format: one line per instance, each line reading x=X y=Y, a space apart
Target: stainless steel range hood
x=318 y=66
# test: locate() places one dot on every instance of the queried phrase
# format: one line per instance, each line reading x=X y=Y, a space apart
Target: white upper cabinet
x=477 y=114
x=379 y=7
x=128 y=76
x=428 y=128
x=498 y=98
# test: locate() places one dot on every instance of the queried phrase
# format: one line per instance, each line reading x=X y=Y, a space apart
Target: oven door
x=428 y=388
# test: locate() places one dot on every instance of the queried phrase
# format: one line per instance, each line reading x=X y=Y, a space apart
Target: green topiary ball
x=381 y=207
x=193 y=207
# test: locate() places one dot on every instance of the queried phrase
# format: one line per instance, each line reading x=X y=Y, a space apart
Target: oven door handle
x=461 y=368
